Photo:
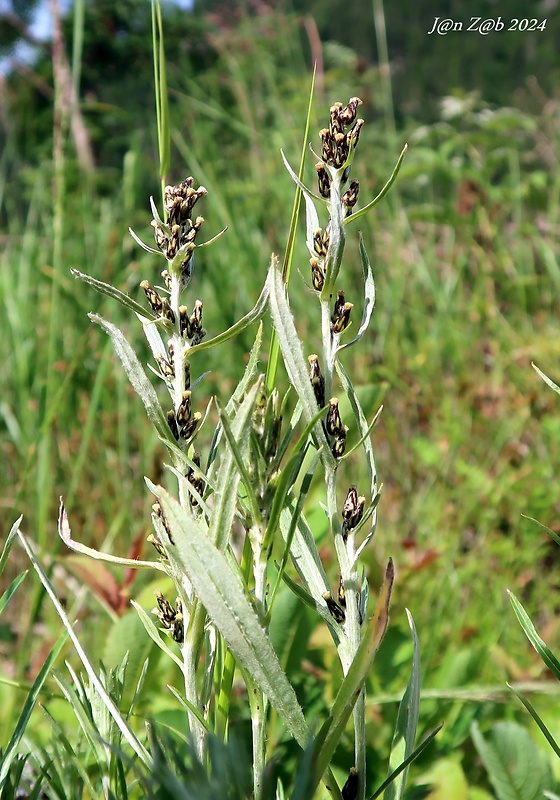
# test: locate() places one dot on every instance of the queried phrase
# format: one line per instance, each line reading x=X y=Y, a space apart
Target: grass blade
x=530 y=631
x=421 y=747
x=9 y=542
x=546 y=379
x=532 y=711
x=126 y=731
x=407 y=722
x=29 y=705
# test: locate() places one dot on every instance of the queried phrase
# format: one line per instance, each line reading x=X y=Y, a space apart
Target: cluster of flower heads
x=176 y=239
x=339 y=141
x=171 y=618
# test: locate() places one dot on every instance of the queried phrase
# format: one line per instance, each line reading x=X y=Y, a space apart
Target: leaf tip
x=63 y=526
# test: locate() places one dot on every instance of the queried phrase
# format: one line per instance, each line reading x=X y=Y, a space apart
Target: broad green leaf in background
x=517 y=769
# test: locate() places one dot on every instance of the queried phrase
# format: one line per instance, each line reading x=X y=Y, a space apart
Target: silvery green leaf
x=189 y=488
x=311 y=216
x=153 y=632
x=153 y=336
x=213 y=239
x=145 y=247
x=155 y=212
x=252 y=316
x=364 y=594
x=369 y=295
x=239 y=392
x=223 y=595
x=362 y=425
x=382 y=193
x=111 y=291
x=296 y=514
x=407 y=721
x=136 y=376
x=365 y=435
x=240 y=463
x=66 y=535
x=287 y=478
x=292 y=353
x=297 y=181
x=228 y=477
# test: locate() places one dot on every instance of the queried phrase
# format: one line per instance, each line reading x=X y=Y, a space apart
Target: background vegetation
x=465 y=255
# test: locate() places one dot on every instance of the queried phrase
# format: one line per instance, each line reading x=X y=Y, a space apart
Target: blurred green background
x=465 y=253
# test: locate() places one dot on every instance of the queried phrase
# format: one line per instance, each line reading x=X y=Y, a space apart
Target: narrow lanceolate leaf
x=304 y=552
x=154 y=634
x=221 y=592
x=112 y=709
x=252 y=316
x=111 y=291
x=525 y=621
x=382 y=193
x=153 y=336
x=292 y=353
x=407 y=722
x=355 y=678
x=362 y=425
x=136 y=376
x=546 y=379
x=287 y=479
x=228 y=475
x=311 y=216
x=66 y=535
x=369 y=292
x=10 y=752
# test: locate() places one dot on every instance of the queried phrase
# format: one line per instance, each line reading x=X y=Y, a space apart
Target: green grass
x=468 y=438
